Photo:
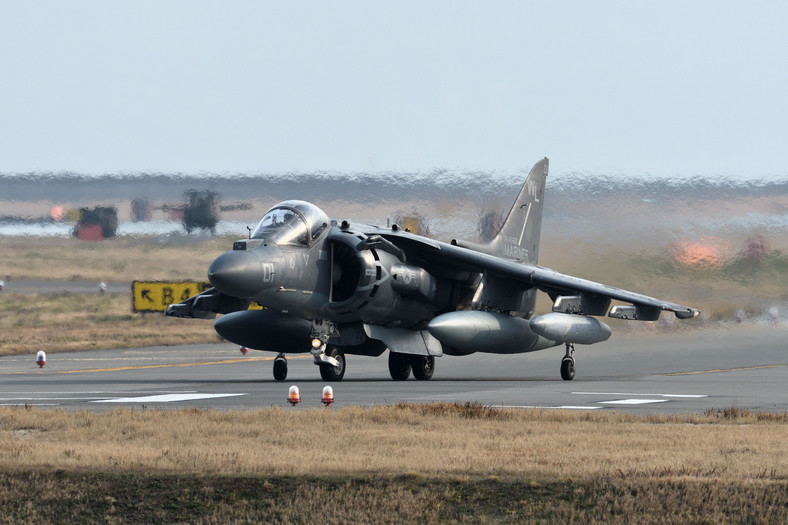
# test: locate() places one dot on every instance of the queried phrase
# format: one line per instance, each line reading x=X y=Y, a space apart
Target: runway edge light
x=41 y=359
x=328 y=395
x=293 y=397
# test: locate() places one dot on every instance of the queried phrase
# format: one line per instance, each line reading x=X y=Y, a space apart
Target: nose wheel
x=280 y=368
x=331 y=372
x=568 y=363
x=329 y=358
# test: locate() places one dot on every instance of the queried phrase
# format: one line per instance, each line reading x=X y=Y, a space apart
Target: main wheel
x=423 y=366
x=567 y=369
x=399 y=366
x=330 y=372
x=280 y=368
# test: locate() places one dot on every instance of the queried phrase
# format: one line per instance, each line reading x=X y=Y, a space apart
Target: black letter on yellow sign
x=166 y=295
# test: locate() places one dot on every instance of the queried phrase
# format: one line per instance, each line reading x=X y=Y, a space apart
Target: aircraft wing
x=432 y=253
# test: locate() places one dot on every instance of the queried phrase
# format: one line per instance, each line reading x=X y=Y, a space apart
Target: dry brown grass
x=67 y=321
x=453 y=441
x=115 y=260
x=440 y=463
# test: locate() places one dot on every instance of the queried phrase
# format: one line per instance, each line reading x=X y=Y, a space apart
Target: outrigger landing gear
x=280 y=367
x=568 y=363
x=330 y=358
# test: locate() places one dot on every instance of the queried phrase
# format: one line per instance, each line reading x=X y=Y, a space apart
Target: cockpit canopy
x=292 y=222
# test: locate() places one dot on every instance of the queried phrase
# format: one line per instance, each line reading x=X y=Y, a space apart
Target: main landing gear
x=401 y=365
x=568 y=363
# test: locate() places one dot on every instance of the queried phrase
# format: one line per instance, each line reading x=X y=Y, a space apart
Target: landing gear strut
x=330 y=358
x=280 y=367
x=568 y=363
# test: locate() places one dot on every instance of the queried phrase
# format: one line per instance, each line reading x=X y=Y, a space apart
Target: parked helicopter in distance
x=337 y=288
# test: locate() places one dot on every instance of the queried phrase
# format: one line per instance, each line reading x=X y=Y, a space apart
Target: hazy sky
x=642 y=88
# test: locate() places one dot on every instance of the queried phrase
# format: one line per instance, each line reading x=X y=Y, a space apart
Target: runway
x=684 y=372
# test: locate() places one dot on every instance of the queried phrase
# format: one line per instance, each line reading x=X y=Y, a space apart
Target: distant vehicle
x=95 y=224
x=413 y=222
x=141 y=210
x=334 y=288
x=201 y=211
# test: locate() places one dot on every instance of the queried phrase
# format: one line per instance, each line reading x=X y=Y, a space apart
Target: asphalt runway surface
x=683 y=372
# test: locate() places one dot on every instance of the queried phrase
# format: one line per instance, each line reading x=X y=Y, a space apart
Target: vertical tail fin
x=519 y=235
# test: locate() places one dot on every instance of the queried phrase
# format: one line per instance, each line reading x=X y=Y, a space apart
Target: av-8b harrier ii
x=337 y=288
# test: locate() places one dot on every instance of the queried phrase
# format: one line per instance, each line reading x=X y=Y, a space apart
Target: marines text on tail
x=333 y=289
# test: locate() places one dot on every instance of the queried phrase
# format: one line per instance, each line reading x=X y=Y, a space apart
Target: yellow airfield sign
x=156 y=296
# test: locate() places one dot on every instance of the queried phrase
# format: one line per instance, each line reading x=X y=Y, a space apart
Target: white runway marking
x=165 y=398
x=633 y=401
x=562 y=407
x=638 y=394
x=46 y=398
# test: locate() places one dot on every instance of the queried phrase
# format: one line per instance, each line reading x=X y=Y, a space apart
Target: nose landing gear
x=330 y=358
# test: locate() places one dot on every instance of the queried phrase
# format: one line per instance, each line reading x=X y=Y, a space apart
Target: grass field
x=72 y=321
x=402 y=463
x=115 y=260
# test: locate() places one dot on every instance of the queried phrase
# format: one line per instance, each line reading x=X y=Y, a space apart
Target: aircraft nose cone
x=237 y=274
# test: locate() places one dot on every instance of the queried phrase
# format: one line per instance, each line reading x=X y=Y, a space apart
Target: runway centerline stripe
x=744 y=368
x=170 y=365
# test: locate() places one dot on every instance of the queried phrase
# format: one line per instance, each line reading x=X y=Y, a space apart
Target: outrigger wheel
x=280 y=368
x=568 y=363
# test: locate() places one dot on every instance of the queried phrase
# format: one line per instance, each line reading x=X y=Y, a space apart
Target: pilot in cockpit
x=289 y=223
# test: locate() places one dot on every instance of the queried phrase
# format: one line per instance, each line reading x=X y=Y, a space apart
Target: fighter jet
x=339 y=288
